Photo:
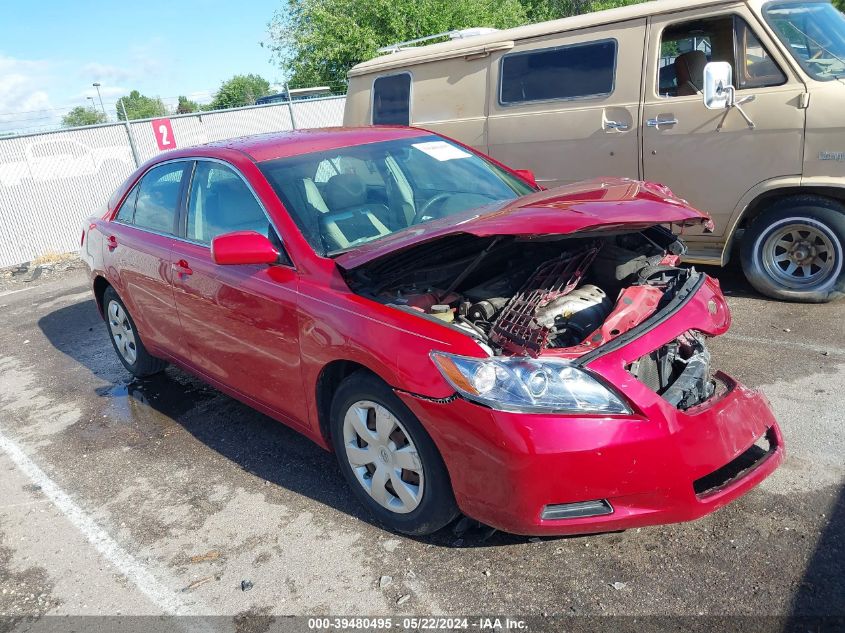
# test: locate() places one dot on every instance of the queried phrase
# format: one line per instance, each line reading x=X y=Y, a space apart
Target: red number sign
x=164 y=134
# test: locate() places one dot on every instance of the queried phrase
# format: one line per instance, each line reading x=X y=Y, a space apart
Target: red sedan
x=463 y=342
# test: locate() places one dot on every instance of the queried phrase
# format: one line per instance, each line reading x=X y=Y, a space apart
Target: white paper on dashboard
x=441 y=150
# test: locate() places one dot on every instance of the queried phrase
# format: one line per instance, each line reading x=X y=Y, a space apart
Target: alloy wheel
x=800 y=255
x=122 y=333
x=383 y=457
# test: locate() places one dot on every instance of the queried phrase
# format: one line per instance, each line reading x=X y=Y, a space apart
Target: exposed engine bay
x=521 y=296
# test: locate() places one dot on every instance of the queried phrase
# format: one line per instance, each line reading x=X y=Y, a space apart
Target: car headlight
x=527 y=384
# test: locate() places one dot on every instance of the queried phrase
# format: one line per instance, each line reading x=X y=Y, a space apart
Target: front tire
x=126 y=340
x=388 y=459
x=795 y=251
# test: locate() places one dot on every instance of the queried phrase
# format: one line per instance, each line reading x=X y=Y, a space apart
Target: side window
x=686 y=48
x=566 y=72
x=126 y=213
x=220 y=202
x=392 y=100
x=158 y=198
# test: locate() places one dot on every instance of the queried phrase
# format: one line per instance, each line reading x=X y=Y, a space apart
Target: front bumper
x=506 y=467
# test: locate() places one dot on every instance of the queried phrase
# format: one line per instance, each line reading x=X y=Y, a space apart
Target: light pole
x=91 y=99
x=96 y=84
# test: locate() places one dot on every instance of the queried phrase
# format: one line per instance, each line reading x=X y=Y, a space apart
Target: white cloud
x=105 y=73
x=24 y=100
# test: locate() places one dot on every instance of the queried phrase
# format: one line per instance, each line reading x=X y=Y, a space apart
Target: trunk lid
x=594 y=205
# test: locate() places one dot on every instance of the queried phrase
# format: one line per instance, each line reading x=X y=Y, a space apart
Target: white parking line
x=821 y=349
x=165 y=599
x=11 y=292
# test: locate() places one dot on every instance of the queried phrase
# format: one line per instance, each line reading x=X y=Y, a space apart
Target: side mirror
x=718 y=86
x=243 y=247
x=527 y=174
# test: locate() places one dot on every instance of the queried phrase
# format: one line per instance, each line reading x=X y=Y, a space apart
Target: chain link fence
x=51 y=182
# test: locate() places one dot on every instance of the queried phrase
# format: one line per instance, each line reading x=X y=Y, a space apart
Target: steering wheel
x=423 y=210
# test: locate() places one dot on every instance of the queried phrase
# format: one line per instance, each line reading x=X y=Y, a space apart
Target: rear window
x=392 y=100
x=565 y=72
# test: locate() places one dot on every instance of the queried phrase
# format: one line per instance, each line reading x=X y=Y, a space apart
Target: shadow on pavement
x=136 y=409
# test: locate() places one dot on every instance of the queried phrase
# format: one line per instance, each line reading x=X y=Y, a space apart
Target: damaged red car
x=462 y=341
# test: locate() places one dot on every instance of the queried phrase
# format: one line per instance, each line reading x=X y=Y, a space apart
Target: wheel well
x=763 y=201
x=327 y=383
x=100 y=285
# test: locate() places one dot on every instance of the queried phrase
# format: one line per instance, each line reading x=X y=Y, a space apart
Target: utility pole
x=96 y=84
x=290 y=106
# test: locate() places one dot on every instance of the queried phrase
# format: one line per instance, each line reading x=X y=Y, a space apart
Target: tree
x=81 y=115
x=241 y=90
x=139 y=106
x=541 y=10
x=318 y=41
x=186 y=106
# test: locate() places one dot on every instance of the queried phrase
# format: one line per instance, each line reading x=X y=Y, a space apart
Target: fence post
x=290 y=107
x=129 y=134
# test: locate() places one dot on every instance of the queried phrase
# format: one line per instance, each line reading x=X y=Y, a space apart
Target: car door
x=137 y=254
x=713 y=157
x=567 y=106
x=239 y=322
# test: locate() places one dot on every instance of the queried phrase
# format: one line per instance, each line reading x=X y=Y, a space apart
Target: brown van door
x=567 y=105
x=714 y=157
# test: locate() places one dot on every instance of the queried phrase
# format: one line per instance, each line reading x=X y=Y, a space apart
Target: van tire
x=435 y=506
x=792 y=227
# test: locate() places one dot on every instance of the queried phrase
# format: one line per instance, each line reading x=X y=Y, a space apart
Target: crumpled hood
x=593 y=205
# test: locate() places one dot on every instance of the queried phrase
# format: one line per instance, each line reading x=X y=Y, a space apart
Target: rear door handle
x=659 y=122
x=182 y=268
x=616 y=125
x=111 y=242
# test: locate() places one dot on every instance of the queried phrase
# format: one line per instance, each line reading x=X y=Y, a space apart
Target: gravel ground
x=163 y=496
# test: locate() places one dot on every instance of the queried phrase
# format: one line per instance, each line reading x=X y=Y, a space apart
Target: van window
x=686 y=48
x=392 y=100
x=565 y=72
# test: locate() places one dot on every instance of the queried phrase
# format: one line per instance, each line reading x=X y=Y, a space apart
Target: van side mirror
x=718 y=85
x=243 y=247
x=527 y=175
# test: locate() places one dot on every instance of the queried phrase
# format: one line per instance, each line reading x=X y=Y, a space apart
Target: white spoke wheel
x=125 y=338
x=388 y=458
x=795 y=250
x=383 y=457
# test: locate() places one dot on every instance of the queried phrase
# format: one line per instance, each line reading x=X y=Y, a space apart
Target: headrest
x=690 y=67
x=343 y=191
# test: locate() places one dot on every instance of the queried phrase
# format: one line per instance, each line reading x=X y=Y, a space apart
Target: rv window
x=392 y=100
x=566 y=72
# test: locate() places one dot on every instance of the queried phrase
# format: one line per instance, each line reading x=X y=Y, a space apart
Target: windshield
x=346 y=197
x=814 y=32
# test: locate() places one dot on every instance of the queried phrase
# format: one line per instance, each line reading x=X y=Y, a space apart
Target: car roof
x=479 y=44
x=262 y=147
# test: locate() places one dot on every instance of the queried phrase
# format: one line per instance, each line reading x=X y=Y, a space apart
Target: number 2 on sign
x=162 y=129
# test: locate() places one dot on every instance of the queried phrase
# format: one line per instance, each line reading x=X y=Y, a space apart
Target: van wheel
x=794 y=251
x=125 y=339
x=388 y=459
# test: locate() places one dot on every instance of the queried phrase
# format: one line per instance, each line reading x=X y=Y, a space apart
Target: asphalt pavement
x=163 y=496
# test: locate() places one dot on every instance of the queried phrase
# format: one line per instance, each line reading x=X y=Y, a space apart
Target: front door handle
x=182 y=268
x=658 y=122
x=616 y=125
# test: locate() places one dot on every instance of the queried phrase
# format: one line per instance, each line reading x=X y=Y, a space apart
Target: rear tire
x=126 y=340
x=796 y=249
x=388 y=459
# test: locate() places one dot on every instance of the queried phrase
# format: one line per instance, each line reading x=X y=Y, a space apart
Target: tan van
x=739 y=107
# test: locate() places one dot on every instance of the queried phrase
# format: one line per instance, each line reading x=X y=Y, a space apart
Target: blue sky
x=52 y=51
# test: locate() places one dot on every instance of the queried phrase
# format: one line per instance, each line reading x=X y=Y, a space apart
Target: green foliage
x=839 y=4
x=541 y=10
x=240 y=90
x=81 y=115
x=318 y=41
x=139 y=106
x=186 y=106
